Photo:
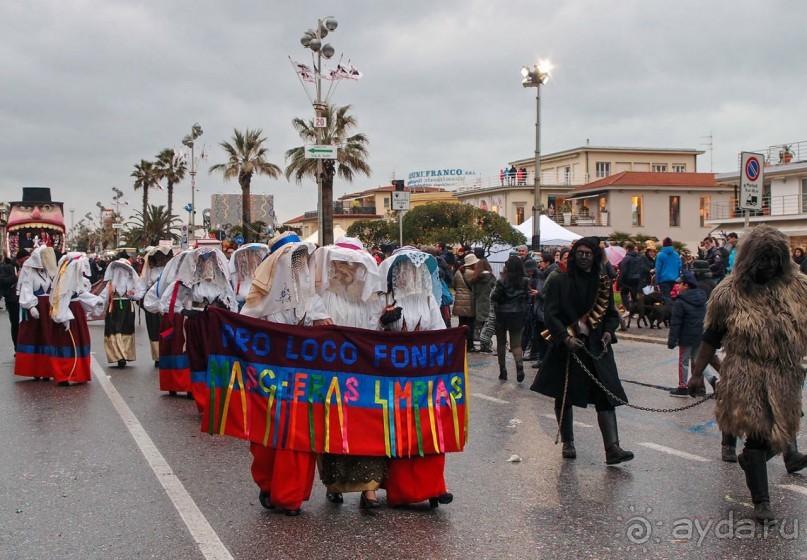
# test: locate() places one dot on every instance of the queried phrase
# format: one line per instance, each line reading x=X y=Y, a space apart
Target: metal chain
x=624 y=402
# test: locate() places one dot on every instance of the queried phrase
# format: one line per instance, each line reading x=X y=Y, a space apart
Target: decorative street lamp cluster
x=312 y=39
x=190 y=141
x=535 y=77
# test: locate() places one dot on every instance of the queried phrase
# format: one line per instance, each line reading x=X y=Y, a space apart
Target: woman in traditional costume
x=33 y=287
x=153 y=265
x=413 y=284
x=243 y=263
x=119 y=323
x=346 y=278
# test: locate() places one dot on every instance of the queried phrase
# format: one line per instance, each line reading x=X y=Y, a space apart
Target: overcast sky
x=89 y=87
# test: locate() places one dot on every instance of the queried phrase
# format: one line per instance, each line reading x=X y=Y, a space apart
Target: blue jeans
x=687 y=356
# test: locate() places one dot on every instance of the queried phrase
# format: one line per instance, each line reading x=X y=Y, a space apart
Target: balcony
x=786 y=206
x=549 y=179
x=777 y=155
x=340 y=209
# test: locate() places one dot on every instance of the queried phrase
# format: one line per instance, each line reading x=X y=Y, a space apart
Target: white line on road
x=794 y=488
x=487 y=398
x=574 y=422
x=671 y=451
x=206 y=538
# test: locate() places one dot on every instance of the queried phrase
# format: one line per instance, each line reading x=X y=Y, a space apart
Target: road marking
x=671 y=451
x=206 y=538
x=574 y=422
x=487 y=398
x=794 y=488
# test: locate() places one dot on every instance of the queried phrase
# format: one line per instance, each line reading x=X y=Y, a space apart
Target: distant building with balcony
x=675 y=205
x=371 y=204
x=512 y=196
x=784 y=200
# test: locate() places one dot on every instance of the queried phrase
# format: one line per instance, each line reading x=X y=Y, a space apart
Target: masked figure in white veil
x=153 y=265
x=33 y=288
x=70 y=300
x=282 y=292
x=347 y=280
x=119 y=323
x=190 y=282
x=413 y=285
x=243 y=263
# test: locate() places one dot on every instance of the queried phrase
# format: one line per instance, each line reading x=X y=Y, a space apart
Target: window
x=659 y=167
x=603 y=169
x=675 y=211
x=706 y=203
x=519 y=215
x=679 y=168
x=567 y=175
x=386 y=202
x=804 y=195
x=637 y=211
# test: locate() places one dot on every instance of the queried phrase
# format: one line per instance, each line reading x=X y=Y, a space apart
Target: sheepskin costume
x=764 y=325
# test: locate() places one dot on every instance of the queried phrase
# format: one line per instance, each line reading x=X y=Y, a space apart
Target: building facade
x=226 y=209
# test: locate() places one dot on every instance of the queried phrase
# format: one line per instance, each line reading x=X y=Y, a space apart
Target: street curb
x=640 y=338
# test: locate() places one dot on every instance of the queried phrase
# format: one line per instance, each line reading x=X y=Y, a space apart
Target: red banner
x=330 y=389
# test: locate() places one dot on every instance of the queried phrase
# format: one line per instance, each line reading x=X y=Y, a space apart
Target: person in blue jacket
x=668 y=269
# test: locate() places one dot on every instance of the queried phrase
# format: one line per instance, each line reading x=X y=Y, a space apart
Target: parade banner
x=331 y=389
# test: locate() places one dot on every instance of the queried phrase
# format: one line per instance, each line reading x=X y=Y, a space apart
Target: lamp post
x=535 y=77
x=190 y=141
x=312 y=39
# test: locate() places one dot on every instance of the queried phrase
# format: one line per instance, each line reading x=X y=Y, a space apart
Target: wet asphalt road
x=75 y=484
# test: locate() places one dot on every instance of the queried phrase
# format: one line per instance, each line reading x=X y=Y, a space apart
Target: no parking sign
x=751 y=181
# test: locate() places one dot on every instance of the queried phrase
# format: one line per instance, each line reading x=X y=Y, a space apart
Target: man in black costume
x=580 y=315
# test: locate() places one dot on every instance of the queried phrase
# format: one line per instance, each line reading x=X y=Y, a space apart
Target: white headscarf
x=122 y=277
x=36 y=275
x=243 y=264
x=72 y=282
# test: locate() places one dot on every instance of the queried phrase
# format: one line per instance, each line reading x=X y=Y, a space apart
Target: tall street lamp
x=312 y=39
x=190 y=141
x=535 y=77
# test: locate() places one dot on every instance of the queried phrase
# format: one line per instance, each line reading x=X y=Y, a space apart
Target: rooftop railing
x=787 y=205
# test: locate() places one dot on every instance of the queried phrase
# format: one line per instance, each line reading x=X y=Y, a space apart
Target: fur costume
x=764 y=328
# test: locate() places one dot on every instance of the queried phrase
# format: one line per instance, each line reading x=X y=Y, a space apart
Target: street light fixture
x=190 y=141
x=535 y=77
x=312 y=39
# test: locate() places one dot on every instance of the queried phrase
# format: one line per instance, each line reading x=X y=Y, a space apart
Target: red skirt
x=414 y=480
x=175 y=373
x=46 y=349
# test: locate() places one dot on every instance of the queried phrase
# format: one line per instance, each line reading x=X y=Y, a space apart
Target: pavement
x=116 y=469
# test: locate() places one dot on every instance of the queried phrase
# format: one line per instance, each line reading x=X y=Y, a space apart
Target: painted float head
x=35 y=220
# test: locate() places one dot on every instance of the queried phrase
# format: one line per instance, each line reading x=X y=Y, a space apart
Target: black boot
x=502 y=368
x=566 y=430
x=518 y=355
x=610 y=438
x=728 y=448
x=794 y=461
x=520 y=373
x=754 y=463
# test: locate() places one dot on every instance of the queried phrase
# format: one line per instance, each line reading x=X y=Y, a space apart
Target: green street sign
x=320 y=151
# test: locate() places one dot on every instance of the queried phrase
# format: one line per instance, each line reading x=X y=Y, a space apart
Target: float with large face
x=35 y=220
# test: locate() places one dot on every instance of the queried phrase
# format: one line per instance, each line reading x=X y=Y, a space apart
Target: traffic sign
x=400 y=200
x=751 y=181
x=239 y=240
x=117 y=226
x=320 y=151
x=320 y=122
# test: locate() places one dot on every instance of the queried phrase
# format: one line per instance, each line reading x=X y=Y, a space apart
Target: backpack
x=447 y=297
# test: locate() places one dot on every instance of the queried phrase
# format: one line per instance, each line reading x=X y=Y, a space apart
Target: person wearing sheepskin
x=759 y=315
x=346 y=278
x=282 y=292
x=119 y=322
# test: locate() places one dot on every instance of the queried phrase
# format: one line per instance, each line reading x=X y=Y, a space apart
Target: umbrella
x=615 y=254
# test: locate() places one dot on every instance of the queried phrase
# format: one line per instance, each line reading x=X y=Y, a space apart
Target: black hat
x=34 y=194
x=22 y=253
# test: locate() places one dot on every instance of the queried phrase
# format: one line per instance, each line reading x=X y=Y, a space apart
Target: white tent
x=337 y=233
x=552 y=233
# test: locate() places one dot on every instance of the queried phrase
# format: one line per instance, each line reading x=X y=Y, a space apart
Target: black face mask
x=584 y=261
x=766 y=269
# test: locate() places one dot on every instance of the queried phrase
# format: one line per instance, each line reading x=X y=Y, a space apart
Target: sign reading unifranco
x=320 y=151
x=444 y=177
x=751 y=181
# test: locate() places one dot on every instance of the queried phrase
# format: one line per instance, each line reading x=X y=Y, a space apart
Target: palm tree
x=145 y=178
x=351 y=157
x=157 y=224
x=172 y=169
x=246 y=155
